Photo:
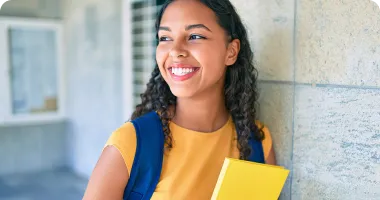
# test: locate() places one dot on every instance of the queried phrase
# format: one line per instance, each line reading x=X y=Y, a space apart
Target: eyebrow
x=193 y=26
x=189 y=27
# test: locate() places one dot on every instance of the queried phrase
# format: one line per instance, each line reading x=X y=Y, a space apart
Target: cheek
x=161 y=54
x=211 y=57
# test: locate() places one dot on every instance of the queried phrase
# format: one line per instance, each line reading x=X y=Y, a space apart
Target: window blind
x=144 y=14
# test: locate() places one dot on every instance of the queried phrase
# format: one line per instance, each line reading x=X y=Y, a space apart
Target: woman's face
x=193 y=51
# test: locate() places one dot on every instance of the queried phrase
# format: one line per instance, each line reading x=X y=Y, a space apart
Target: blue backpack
x=147 y=164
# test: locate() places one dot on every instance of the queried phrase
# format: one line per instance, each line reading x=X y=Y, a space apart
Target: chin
x=182 y=92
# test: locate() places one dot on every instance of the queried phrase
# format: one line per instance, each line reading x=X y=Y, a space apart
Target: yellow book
x=244 y=180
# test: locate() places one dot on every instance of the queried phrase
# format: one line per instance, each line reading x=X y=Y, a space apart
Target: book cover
x=244 y=180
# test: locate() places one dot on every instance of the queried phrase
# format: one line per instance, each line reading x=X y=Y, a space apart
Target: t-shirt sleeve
x=267 y=142
x=124 y=140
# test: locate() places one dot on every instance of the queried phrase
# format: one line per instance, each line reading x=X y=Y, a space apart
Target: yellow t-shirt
x=191 y=169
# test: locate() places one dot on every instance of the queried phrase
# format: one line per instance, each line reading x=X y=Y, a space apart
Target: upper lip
x=181 y=65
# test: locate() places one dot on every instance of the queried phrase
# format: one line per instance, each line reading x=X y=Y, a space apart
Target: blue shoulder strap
x=147 y=164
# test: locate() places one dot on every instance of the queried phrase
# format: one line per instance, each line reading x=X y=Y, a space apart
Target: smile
x=182 y=72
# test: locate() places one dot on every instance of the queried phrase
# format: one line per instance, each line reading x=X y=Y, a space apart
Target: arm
x=271 y=157
x=111 y=173
x=109 y=178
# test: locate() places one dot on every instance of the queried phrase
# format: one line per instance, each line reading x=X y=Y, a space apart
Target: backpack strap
x=257 y=154
x=147 y=164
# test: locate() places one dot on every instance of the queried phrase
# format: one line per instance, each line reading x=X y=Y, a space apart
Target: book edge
x=219 y=183
x=259 y=164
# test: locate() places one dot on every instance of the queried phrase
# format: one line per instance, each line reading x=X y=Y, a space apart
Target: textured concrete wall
x=93 y=39
x=338 y=42
x=270 y=28
x=336 y=143
x=32 y=8
x=32 y=148
x=319 y=66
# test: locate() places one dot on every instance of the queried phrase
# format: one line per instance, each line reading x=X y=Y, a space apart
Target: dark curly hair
x=240 y=83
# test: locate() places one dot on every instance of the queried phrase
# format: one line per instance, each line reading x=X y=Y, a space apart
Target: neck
x=202 y=114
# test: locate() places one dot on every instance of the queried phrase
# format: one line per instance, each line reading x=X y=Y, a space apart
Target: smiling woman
x=203 y=90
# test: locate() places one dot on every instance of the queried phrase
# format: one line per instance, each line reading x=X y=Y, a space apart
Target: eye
x=164 y=39
x=196 y=37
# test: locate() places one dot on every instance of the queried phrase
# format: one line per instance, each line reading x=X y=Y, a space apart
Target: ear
x=233 y=50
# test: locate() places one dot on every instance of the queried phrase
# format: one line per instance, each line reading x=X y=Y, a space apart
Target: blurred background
x=71 y=72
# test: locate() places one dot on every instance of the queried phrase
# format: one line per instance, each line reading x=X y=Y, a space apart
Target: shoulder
x=125 y=134
x=124 y=140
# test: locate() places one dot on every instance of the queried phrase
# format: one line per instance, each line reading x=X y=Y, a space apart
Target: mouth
x=180 y=72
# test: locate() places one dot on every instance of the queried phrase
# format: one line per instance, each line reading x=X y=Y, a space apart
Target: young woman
x=204 y=90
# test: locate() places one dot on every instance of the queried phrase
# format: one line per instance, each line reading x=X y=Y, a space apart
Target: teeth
x=182 y=71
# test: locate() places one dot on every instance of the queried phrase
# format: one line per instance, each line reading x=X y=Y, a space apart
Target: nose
x=178 y=51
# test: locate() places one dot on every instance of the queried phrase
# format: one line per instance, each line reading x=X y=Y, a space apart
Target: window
x=31 y=62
